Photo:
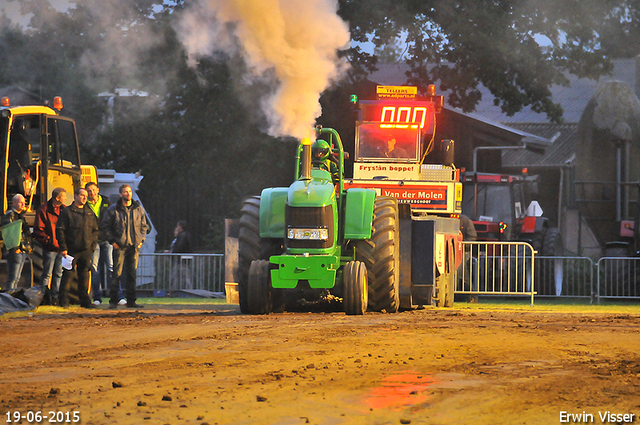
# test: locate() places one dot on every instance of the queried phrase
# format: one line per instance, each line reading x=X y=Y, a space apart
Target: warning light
x=57 y=103
x=431 y=90
x=502 y=227
x=5 y=101
x=354 y=98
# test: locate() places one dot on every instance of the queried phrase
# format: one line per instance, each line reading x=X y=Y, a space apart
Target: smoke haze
x=12 y=10
x=119 y=40
x=292 y=42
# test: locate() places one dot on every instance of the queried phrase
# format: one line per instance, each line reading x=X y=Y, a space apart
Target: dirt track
x=196 y=366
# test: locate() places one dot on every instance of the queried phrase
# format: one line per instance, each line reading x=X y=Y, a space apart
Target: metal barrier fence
x=618 y=277
x=497 y=268
x=171 y=272
x=488 y=268
x=565 y=276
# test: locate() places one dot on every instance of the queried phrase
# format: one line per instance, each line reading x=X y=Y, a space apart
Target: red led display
x=400 y=114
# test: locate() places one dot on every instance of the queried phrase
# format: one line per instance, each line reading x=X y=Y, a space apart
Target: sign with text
x=397 y=92
x=389 y=171
x=421 y=196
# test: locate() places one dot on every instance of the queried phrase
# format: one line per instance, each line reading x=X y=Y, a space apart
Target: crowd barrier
x=173 y=272
x=488 y=268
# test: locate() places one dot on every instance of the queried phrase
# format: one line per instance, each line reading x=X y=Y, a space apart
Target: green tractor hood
x=311 y=193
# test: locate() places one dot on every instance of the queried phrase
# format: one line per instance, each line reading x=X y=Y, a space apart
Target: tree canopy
x=496 y=43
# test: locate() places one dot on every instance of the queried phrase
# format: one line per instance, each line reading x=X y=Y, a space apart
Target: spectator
x=16 y=256
x=180 y=277
x=125 y=226
x=182 y=241
x=77 y=233
x=103 y=255
x=44 y=231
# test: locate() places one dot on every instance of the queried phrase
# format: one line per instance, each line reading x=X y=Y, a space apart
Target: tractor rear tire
x=355 y=288
x=251 y=246
x=552 y=245
x=381 y=256
x=259 y=288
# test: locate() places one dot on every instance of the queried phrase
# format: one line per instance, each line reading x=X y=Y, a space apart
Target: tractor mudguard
x=533 y=224
x=359 y=213
x=272 y=206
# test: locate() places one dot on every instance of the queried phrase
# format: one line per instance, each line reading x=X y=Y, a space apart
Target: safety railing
x=488 y=268
x=565 y=276
x=497 y=268
x=618 y=277
x=173 y=272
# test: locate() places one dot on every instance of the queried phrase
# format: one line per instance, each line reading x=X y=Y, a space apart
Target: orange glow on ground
x=398 y=391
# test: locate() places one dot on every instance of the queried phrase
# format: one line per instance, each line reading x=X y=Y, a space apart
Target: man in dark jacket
x=17 y=256
x=180 y=277
x=44 y=232
x=103 y=255
x=182 y=241
x=125 y=226
x=77 y=233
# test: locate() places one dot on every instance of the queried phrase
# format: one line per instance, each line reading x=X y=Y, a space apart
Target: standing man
x=77 y=233
x=182 y=241
x=18 y=255
x=125 y=227
x=180 y=277
x=103 y=254
x=44 y=231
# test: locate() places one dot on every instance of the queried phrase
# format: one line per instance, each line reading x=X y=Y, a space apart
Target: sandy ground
x=211 y=365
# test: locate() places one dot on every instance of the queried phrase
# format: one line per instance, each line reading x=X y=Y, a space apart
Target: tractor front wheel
x=355 y=288
x=259 y=288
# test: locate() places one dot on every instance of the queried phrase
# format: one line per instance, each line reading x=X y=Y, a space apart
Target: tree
x=197 y=145
x=465 y=43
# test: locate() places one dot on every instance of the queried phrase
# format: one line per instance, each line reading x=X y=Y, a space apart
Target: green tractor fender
x=272 y=208
x=358 y=213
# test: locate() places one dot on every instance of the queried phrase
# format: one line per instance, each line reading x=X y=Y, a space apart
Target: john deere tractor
x=315 y=238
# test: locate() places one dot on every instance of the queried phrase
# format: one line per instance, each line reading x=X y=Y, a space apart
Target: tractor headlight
x=309 y=234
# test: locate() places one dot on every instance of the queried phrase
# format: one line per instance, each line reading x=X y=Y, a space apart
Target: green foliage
x=465 y=43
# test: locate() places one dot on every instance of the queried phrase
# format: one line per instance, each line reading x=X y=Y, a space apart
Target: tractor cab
x=495 y=203
x=374 y=143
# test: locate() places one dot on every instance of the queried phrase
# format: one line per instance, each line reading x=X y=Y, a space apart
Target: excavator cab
x=41 y=151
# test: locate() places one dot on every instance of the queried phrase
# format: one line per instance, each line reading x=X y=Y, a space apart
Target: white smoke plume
x=294 y=40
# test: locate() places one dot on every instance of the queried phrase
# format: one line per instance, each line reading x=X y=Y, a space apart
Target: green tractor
x=315 y=238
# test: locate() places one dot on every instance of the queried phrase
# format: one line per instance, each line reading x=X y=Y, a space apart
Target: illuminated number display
x=400 y=114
